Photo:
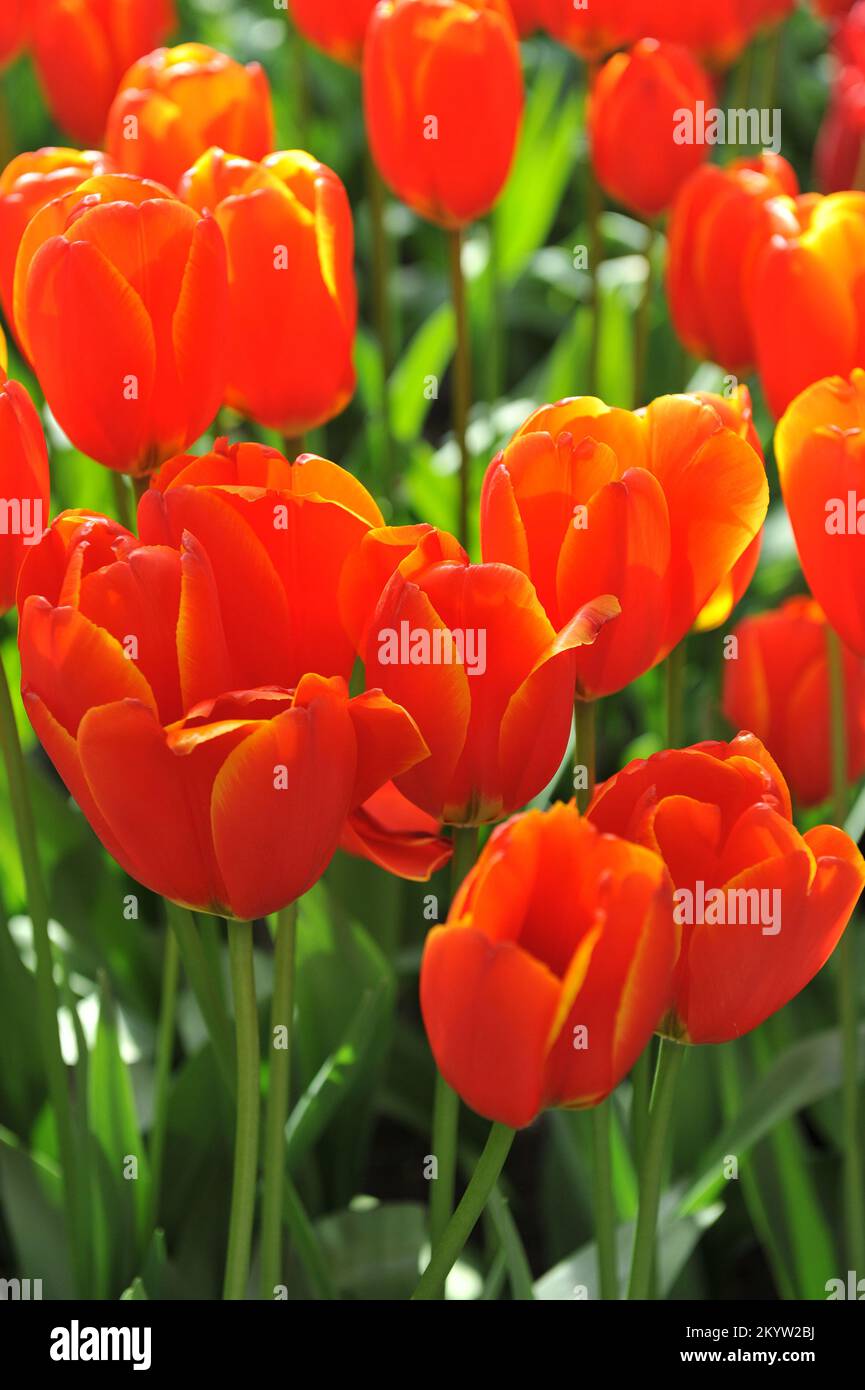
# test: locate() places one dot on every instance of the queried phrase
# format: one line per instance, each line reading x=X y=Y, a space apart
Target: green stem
x=197 y=969
x=123 y=500
x=846 y=972
x=643 y=323
x=74 y=1193
x=279 y=1085
x=594 y=213
x=293 y=446
x=674 y=692
x=467 y=1214
x=641 y=1081
x=164 y=1053
x=585 y=756
x=381 y=303
x=604 y=1203
x=462 y=381
x=248 y=1107
x=670 y=1058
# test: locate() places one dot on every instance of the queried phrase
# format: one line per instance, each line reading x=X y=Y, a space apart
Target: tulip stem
x=293 y=446
x=604 y=1203
x=670 y=1058
x=674 y=683
x=462 y=379
x=248 y=1108
x=164 y=1053
x=846 y=972
x=278 y=1088
x=644 y=322
x=585 y=756
x=205 y=988
x=594 y=213
x=74 y=1193
x=123 y=500
x=381 y=303
x=465 y=1218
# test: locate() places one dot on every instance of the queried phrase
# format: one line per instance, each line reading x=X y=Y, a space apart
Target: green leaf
x=426 y=356
x=374 y=1248
x=30 y=1190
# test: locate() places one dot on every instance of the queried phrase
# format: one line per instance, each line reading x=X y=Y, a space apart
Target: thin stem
x=674 y=692
x=641 y=1081
x=248 y=1108
x=74 y=1193
x=293 y=446
x=123 y=500
x=381 y=301
x=585 y=756
x=279 y=1084
x=846 y=972
x=643 y=323
x=164 y=1053
x=670 y=1058
x=594 y=212
x=205 y=988
x=462 y=382
x=467 y=1214
x=604 y=1203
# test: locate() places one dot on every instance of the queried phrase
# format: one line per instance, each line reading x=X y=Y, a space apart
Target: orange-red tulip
x=838 y=150
x=337 y=29
x=177 y=102
x=82 y=48
x=810 y=273
x=24 y=483
x=527 y=16
x=14 y=24
x=293 y=302
x=220 y=762
x=553 y=969
x=760 y=906
x=655 y=508
x=776 y=683
x=641 y=148
x=720 y=222
x=820 y=451
x=443 y=94
x=469 y=652
x=594 y=28
x=27 y=183
x=121 y=302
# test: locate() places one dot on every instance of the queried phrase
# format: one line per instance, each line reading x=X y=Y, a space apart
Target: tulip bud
x=445 y=140
x=594 y=28
x=339 y=30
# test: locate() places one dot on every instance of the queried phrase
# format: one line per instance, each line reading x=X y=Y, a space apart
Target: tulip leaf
x=33 y=1213
x=374 y=1248
x=424 y=361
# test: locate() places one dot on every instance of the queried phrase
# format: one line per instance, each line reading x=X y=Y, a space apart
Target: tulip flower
x=13 y=29
x=838 y=152
x=213 y=772
x=760 y=906
x=594 y=29
x=644 y=119
x=175 y=103
x=444 y=141
x=809 y=273
x=737 y=414
x=553 y=968
x=24 y=483
x=527 y=16
x=777 y=684
x=27 y=183
x=720 y=222
x=82 y=48
x=121 y=303
x=655 y=508
x=339 y=30
x=293 y=302
x=469 y=652
x=820 y=451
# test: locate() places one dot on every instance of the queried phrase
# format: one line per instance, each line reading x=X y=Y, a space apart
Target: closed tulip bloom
x=220 y=790
x=839 y=142
x=339 y=30
x=289 y=238
x=121 y=302
x=82 y=48
x=553 y=969
x=527 y=16
x=13 y=29
x=594 y=29
x=820 y=451
x=443 y=95
x=719 y=225
x=24 y=482
x=27 y=183
x=777 y=685
x=175 y=103
x=655 y=508
x=810 y=273
x=760 y=906
x=469 y=652
x=641 y=106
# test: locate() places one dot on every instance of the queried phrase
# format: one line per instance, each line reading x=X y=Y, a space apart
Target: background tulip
x=777 y=685
x=337 y=29
x=820 y=451
x=527 y=16
x=719 y=814
x=121 y=301
x=593 y=29
x=556 y=930
x=655 y=508
x=27 y=183
x=633 y=115
x=720 y=222
x=497 y=727
x=445 y=140
x=174 y=104
x=82 y=48
x=24 y=483
x=293 y=302
x=13 y=29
